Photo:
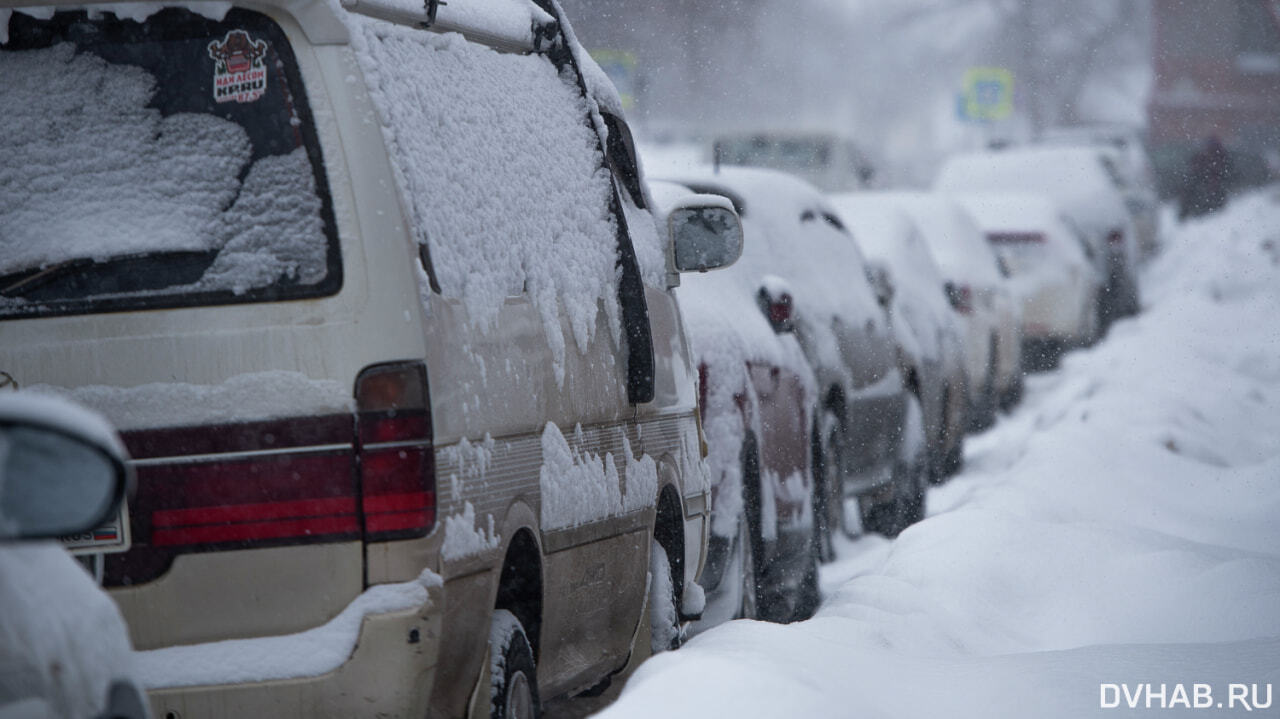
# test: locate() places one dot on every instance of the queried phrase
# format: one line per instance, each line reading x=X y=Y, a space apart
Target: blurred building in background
x=1217 y=74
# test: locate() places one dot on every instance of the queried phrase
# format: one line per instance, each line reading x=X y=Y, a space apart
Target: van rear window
x=163 y=163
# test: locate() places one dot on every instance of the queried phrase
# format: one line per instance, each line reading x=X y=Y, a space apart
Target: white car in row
x=1051 y=272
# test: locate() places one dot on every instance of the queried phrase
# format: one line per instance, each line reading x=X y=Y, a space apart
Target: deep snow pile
x=1122 y=526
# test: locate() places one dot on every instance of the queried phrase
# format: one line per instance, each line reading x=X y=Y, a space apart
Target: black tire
x=747 y=603
x=752 y=539
x=822 y=487
x=910 y=480
x=513 y=675
x=983 y=414
x=665 y=629
x=954 y=461
x=810 y=595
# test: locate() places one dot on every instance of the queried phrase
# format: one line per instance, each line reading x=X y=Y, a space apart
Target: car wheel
x=1013 y=394
x=747 y=572
x=513 y=676
x=751 y=540
x=912 y=468
x=983 y=414
x=825 y=482
x=665 y=630
x=810 y=595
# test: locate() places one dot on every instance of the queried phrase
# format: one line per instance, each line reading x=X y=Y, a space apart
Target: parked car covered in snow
x=1126 y=159
x=928 y=332
x=828 y=161
x=1052 y=274
x=64 y=649
x=866 y=461
x=1077 y=181
x=375 y=296
x=977 y=290
x=756 y=396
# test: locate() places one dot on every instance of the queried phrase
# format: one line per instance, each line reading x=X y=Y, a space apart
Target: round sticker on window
x=239 y=70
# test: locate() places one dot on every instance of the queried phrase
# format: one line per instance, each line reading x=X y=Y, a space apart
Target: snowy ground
x=1122 y=527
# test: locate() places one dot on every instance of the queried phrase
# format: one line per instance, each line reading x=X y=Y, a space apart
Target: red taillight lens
x=780 y=311
x=1115 y=237
x=249 y=501
x=395 y=457
x=961 y=298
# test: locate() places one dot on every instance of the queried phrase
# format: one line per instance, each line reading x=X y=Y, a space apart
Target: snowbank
x=1120 y=528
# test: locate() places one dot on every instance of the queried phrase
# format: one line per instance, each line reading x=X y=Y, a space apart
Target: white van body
x=433 y=368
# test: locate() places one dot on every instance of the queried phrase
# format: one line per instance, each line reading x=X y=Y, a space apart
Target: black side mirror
x=62 y=468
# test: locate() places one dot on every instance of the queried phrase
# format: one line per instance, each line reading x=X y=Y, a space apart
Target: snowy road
x=1120 y=529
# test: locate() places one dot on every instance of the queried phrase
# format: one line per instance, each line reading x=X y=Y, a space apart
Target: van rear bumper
x=389 y=674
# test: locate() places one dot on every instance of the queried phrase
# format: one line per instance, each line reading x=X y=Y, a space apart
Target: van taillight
x=269 y=499
x=393 y=450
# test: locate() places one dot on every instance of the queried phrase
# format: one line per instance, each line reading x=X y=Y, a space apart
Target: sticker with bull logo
x=240 y=68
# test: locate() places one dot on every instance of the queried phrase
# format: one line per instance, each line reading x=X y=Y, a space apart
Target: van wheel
x=513 y=676
x=665 y=631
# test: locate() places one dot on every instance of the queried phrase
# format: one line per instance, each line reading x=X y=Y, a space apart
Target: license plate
x=112 y=536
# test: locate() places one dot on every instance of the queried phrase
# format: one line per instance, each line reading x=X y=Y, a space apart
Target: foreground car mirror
x=705 y=233
x=62 y=469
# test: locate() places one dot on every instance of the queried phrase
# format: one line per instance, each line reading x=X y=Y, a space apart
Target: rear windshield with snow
x=163 y=163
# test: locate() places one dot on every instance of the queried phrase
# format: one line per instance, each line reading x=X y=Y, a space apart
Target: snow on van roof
x=956 y=242
x=1073 y=177
x=136 y=11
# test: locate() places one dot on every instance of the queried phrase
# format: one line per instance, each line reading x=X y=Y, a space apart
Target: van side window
x=501 y=173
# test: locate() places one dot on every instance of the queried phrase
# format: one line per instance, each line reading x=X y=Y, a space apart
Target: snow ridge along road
x=1118 y=532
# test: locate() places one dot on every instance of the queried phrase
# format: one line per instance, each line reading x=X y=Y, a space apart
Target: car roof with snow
x=792 y=231
x=1073 y=176
x=888 y=234
x=957 y=244
x=720 y=308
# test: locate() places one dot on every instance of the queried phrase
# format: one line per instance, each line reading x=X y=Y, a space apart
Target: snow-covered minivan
x=374 y=295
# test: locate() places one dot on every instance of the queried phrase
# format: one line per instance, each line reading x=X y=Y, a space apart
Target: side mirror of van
x=705 y=233
x=62 y=468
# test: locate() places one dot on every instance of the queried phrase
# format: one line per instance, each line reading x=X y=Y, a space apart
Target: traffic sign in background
x=987 y=94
